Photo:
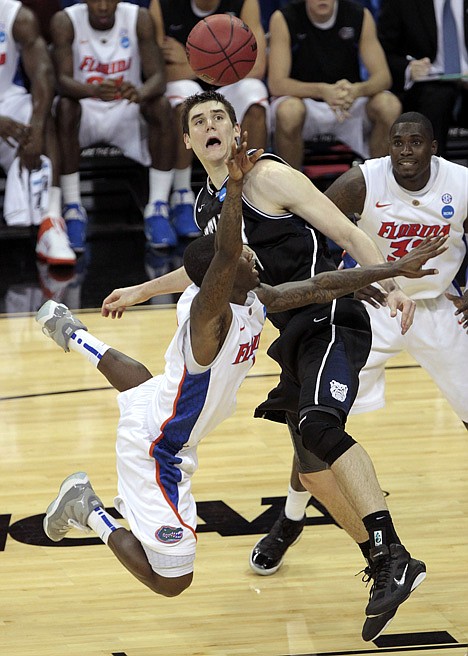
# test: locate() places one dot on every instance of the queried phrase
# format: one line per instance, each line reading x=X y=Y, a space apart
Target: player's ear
x=434 y=147
x=237 y=131
x=187 y=143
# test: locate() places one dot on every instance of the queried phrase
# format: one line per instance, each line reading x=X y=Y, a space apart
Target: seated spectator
x=44 y=10
x=316 y=48
x=100 y=50
x=248 y=96
x=424 y=39
x=28 y=146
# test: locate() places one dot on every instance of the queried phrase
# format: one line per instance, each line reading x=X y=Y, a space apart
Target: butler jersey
x=192 y=399
x=286 y=246
x=398 y=219
x=9 y=52
x=110 y=54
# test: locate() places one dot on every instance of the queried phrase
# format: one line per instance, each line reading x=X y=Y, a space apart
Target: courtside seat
x=325 y=159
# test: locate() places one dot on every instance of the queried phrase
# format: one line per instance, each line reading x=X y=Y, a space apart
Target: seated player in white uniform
x=174 y=20
x=27 y=134
x=163 y=418
x=101 y=51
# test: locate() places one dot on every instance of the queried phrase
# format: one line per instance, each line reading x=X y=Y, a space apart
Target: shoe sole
x=46 y=312
x=79 y=478
x=416 y=583
x=368 y=621
x=268 y=572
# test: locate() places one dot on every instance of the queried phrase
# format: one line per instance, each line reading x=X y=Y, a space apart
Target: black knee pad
x=323 y=434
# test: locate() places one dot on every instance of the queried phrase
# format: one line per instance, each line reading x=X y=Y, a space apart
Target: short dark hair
x=205 y=96
x=419 y=119
x=197 y=257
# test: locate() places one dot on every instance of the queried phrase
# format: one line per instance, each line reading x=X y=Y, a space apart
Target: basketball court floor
x=58 y=415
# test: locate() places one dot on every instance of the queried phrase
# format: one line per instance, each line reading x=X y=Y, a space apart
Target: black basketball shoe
x=267 y=556
x=395 y=575
x=374 y=626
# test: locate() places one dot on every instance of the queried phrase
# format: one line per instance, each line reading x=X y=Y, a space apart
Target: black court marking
x=432 y=635
x=422 y=638
x=109 y=387
x=401 y=650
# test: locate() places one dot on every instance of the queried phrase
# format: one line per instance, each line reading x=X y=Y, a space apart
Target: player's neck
x=217 y=173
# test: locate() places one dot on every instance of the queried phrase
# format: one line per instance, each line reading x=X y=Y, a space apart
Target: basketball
x=221 y=49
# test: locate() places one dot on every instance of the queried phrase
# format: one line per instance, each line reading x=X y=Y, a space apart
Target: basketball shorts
x=118 y=123
x=154 y=492
x=321 y=352
x=321 y=119
x=435 y=340
x=15 y=103
x=241 y=95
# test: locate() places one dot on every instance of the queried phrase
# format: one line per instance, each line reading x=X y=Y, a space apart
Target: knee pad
x=323 y=434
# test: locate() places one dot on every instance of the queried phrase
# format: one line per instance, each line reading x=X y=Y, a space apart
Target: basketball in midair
x=221 y=49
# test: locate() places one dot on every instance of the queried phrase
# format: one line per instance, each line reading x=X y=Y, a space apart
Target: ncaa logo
x=222 y=194
x=125 y=42
x=447 y=212
x=446 y=199
x=2 y=37
x=169 y=534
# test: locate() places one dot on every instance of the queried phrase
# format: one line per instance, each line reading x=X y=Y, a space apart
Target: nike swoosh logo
x=403 y=577
x=176 y=27
x=243 y=328
x=321 y=319
x=199 y=209
x=382 y=204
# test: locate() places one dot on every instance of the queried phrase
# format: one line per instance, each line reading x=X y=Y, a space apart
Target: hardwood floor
x=74 y=599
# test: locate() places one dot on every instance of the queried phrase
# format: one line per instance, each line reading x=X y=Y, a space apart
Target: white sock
x=160 y=183
x=92 y=348
x=70 y=184
x=182 y=179
x=296 y=504
x=55 y=203
x=102 y=523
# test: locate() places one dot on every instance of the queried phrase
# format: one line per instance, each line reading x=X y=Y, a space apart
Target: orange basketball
x=221 y=49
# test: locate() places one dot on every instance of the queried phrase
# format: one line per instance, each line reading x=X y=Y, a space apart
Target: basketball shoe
x=182 y=213
x=375 y=626
x=158 y=229
x=267 y=555
x=75 y=502
x=52 y=244
x=58 y=323
x=76 y=221
x=395 y=575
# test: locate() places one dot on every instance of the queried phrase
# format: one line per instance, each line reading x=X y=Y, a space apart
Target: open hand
x=461 y=303
x=239 y=162
x=410 y=264
x=115 y=304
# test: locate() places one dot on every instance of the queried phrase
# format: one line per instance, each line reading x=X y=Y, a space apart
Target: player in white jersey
x=408 y=196
x=27 y=134
x=99 y=51
x=164 y=418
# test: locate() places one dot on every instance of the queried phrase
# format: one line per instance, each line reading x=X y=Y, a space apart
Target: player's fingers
x=256 y=155
x=428 y=272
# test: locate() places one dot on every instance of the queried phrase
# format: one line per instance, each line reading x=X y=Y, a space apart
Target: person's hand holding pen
x=418 y=68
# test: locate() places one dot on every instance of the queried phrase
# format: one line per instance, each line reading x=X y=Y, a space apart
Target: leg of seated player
x=254 y=123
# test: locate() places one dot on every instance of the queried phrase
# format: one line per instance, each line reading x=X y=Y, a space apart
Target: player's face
x=247 y=274
x=211 y=132
x=320 y=10
x=411 y=150
x=102 y=13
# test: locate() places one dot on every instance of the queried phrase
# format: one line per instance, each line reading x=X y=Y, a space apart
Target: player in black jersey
x=321 y=348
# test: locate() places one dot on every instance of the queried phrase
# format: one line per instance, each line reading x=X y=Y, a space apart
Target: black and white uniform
x=322 y=347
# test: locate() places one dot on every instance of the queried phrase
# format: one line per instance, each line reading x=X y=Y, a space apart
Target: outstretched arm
x=329 y=285
x=210 y=314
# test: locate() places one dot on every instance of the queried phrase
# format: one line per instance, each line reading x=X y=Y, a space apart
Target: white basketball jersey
x=192 y=400
x=397 y=219
x=114 y=53
x=9 y=52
